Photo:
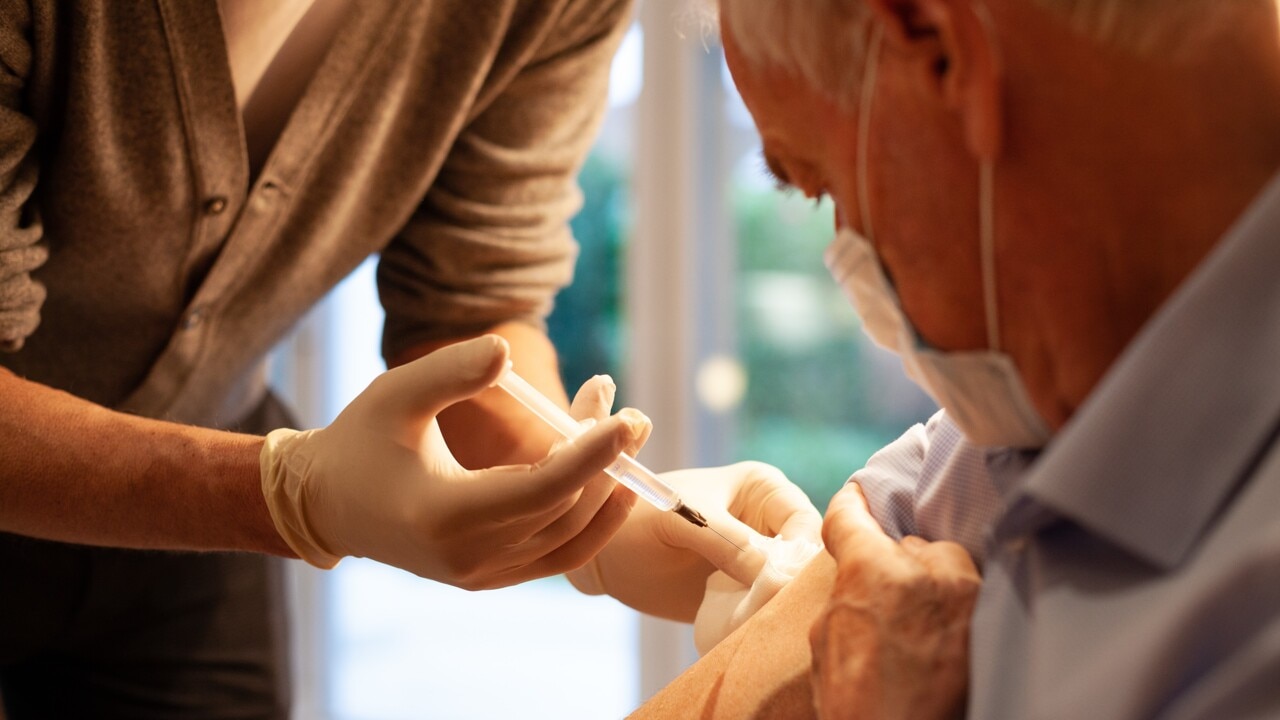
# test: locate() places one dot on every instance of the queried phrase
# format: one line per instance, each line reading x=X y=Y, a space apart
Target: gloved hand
x=658 y=563
x=379 y=482
x=728 y=603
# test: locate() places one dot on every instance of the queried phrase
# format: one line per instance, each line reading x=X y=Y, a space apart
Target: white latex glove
x=728 y=603
x=658 y=563
x=379 y=482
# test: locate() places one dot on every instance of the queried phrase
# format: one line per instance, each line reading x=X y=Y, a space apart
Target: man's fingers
x=852 y=503
x=941 y=558
x=914 y=542
x=849 y=527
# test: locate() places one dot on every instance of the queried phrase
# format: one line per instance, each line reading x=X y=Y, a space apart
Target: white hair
x=824 y=41
x=796 y=35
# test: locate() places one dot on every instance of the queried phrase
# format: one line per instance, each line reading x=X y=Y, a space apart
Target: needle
x=698 y=519
x=725 y=538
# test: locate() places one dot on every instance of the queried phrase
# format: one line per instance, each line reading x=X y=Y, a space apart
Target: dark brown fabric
x=105 y=633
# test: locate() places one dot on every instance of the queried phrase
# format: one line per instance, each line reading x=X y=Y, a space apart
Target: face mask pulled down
x=981 y=390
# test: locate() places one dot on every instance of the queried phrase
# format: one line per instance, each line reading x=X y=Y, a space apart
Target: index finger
x=734 y=547
x=942 y=558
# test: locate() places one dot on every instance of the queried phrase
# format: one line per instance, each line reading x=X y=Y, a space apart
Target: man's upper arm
x=490 y=242
x=762 y=669
x=20 y=250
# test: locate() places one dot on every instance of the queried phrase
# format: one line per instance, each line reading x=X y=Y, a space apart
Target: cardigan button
x=193 y=318
x=215 y=205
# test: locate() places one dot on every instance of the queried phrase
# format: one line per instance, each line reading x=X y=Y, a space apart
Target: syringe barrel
x=626 y=469
x=641 y=480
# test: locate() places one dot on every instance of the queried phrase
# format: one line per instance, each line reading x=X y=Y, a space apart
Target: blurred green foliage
x=586 y=325
x=812 y=406
x=809 y=407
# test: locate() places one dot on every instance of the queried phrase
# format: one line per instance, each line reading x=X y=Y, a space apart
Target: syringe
x=626 y=469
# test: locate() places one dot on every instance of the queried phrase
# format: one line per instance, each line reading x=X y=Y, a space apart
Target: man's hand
x=893 y=641
x=379 y=482
x=658 y=563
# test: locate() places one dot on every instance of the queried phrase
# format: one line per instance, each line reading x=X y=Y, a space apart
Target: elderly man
x=1063 y=216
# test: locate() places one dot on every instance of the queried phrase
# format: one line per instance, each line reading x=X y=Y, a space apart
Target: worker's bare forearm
x=77 y=472
x=493 y=428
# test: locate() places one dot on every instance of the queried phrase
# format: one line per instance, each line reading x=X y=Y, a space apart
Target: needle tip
x=722 y=537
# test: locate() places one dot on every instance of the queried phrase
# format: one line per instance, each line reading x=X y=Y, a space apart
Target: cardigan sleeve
x=490 y=243
x=21 y=250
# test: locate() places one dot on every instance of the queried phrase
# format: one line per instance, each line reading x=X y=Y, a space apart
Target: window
x=392 y=645
x=820 y=397
x=702 y=290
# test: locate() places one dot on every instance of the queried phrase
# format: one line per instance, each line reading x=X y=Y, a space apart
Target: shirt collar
x=1175 y=425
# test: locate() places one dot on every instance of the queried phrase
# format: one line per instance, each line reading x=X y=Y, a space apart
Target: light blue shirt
x=1132 y=570
x=933 y=483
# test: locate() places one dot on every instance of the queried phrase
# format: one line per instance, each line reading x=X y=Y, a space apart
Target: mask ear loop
x=864 y=129
x=987 y=227
x=986 y=193
x=987 y=239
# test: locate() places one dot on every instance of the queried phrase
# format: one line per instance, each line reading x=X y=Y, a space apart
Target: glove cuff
x=284 y=463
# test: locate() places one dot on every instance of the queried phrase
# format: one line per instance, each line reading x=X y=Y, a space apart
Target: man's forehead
x=821 y=43
x=787 y=110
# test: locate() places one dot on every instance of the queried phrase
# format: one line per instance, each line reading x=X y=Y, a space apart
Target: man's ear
x=954 y=44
